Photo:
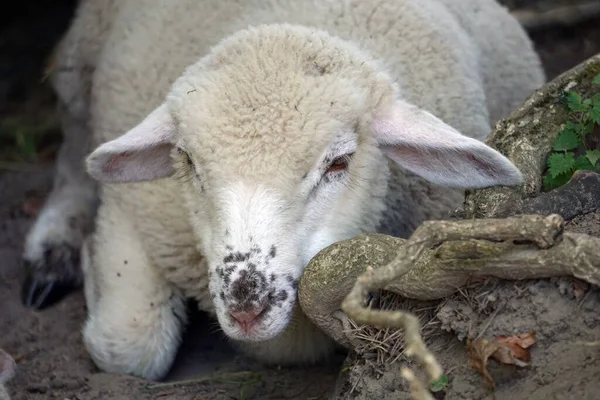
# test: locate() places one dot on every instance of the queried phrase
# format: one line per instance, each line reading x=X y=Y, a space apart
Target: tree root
x=579 y=196
x=442 y=256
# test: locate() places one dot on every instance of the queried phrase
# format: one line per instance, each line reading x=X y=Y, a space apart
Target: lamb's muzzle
x=253 y=266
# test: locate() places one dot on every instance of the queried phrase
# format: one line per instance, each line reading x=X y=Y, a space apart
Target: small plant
x=574 y=149
x=440 y=384
x=27 y=139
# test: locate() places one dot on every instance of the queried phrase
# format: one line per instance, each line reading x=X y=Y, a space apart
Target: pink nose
x=248 y=317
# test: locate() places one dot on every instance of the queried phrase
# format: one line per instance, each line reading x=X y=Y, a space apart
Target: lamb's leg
x=52 y=246
x=135 y=317
x=51 y=254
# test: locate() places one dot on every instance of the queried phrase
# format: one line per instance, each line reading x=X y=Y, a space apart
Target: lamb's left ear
x=141 y=154
x=422 y=143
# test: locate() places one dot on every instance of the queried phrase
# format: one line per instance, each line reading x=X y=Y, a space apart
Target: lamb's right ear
x=142 y=154
x=8 y=367
x=432 y=149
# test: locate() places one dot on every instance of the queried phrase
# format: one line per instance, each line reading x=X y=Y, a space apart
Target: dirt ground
x=47 y=345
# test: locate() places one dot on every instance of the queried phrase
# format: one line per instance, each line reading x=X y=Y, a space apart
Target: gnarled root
x=439 y=258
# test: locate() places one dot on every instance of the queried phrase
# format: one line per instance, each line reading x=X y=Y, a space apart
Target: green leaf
x=596 y=80
x=573 y=127
x=567 y=139
x=440 y=384
x=552 y=183
x=595 y=113
x=587 y=128
x=559 y=163
x=574 y=102
x=548 y=182
x=26 y=145
x=593 y=156
x=582 y=162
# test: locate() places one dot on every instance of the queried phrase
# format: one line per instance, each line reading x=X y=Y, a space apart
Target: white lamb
x=262 y=145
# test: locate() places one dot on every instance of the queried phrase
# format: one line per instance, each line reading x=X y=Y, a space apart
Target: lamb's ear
x=142 y=154
x=422 y=143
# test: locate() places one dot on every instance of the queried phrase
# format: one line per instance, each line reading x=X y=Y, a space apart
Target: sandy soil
x=47 y=345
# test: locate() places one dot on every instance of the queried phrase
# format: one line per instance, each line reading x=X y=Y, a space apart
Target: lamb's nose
x=247 y=318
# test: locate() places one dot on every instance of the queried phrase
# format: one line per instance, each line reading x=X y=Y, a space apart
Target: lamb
x=257 y=137
x=8 y=369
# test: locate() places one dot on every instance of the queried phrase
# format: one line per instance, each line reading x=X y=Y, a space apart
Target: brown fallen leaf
x=478 y=352
x=525 y=340
x=512 y=354
x=519 y=345
x=509 y=350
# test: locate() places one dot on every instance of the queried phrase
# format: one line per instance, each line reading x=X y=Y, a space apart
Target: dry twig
x=417 y=390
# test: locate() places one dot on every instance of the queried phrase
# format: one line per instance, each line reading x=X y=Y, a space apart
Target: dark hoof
x=49 y=281
x=40 y=294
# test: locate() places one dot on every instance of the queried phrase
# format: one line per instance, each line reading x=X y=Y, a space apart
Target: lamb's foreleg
x=135 y=317
x=52 y=247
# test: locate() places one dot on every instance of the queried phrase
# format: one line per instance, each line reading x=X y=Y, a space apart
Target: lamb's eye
x=189 y=161
x=186 y=157
x=339 y=164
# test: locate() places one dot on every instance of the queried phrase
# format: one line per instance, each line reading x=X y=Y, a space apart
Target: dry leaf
x=518 y=345
x=524 y=340
x=509 y=350
x=478 y=352
x=512 y=355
